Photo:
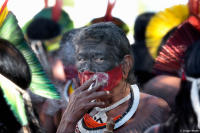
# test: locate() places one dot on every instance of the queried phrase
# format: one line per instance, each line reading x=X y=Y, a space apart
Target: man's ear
x=127 y=65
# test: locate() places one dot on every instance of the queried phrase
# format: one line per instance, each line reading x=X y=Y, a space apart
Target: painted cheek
x=114 y=77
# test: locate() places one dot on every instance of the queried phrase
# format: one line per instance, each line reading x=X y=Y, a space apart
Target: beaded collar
x=119 y=120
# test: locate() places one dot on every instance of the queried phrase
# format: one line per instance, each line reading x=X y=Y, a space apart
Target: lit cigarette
x=90 y=87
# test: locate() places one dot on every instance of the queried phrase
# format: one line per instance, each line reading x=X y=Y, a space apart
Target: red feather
x=108 y=15
x=109 y=18
x=45 y=3
x=3 y=6
x=56 y=13
x=170 y=58
x=194 y=7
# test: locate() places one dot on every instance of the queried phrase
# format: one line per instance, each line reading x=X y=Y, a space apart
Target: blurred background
x=83 y=11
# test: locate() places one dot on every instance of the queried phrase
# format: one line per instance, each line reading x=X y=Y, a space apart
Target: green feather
x=65 y=21
x=14 y=99
x=40 y=84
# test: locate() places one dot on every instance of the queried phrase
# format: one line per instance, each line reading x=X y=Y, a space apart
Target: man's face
x=95 y=57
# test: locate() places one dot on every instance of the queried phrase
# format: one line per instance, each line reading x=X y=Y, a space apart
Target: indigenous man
x=104 y=62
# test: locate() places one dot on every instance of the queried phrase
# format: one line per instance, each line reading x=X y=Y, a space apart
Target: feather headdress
x=59 y=16
x=161 y=23
x=55 y=13
x=40 y=84
x=170 y=58
x=108 y=17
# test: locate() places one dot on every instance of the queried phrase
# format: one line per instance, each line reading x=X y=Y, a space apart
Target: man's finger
x=86 y=85
x=91 y=105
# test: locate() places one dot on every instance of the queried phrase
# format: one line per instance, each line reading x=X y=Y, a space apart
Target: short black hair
x=141 y=23
x=13 y=65
x=67 y=48
x=43 y=29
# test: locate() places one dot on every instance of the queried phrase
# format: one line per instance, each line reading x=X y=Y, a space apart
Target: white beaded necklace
x=124 y=119
x=123 y=100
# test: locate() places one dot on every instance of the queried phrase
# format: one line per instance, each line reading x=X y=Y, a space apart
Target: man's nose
x=87 y=66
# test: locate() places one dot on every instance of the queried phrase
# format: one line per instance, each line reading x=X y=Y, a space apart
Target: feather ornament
x=170 y=58
x=194 y=7
x=13 y=97
x=108 y=17
x=56 y=12
x=161 y=23
x=40 y=84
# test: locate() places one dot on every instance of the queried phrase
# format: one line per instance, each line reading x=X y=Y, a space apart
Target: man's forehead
x=89 y=46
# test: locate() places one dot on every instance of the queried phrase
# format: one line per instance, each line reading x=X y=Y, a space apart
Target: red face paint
x=112 y=77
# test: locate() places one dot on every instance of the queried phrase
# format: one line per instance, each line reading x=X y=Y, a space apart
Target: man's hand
x=80 y=102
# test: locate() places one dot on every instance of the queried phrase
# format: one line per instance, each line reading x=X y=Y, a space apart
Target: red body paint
x=109 y=79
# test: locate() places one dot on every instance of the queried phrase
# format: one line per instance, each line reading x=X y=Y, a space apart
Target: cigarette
x=90 y=87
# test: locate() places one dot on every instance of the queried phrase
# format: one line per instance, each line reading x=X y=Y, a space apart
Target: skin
x=163 y=86
x=153 y=129
x=97 y=58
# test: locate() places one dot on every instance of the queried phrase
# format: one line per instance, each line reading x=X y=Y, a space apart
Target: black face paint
x=95 y=57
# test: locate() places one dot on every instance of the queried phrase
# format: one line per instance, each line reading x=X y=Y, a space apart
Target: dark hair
x=43 y=29
x=192 y=60
x=13 y=65
x=67 y=48
x=141 y=23
x=143 y=63
x=110 y=34
x=184 y=116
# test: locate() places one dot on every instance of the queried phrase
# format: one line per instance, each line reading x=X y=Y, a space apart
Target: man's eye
x=81 y=59
x=99 y=60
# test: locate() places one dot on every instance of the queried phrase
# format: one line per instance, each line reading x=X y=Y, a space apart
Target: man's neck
x=119 y=92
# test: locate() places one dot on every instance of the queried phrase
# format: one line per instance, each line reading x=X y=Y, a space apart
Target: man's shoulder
x=153 y=108
x=152 y=101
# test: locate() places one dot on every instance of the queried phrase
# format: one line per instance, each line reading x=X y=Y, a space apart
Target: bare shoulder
x=147 y=100
x=160 y=82
x=151 y=110
x=163 y=86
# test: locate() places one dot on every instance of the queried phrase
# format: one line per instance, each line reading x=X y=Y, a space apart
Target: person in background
x=169 y=62
x=65 y=78
x=143 y=62
x=185 y=117
x=20 y=71
x=14 y=67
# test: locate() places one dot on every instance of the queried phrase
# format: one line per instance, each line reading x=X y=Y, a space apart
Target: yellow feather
x=3 y=15
x=161 y=23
